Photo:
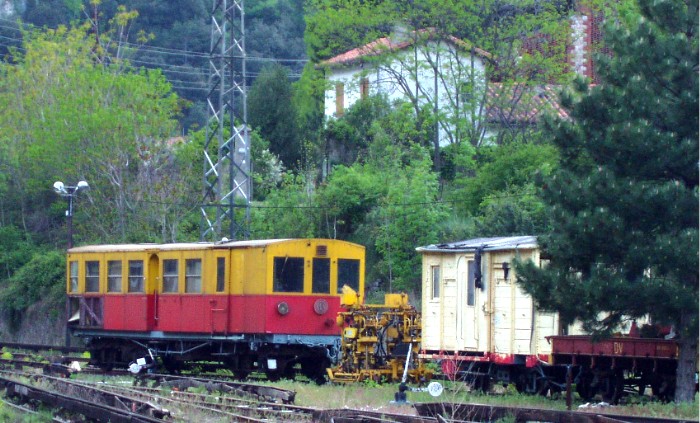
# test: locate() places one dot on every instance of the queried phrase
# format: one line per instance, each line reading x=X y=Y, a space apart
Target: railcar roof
x=487 y=244
x=106 y=248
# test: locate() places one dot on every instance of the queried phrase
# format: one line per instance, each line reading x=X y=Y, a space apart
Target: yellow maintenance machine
x=379 y=342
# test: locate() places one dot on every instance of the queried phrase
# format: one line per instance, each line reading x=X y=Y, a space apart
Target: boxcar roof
x=487 y=244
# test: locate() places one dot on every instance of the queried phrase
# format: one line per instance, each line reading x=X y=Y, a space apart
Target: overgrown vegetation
x=114 y=95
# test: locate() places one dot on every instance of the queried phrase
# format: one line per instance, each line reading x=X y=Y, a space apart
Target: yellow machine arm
x=376 y=339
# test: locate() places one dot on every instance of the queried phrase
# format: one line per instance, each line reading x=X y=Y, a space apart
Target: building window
x=364 y=88
x=321 y=279
x=220 y=274
x=471 y=279
x=193 y=276
x=135 y=275
x=170 y=275
x=339 y=99
x=435 y=281
x=73 y=276
x=289 y=274
x=348 y=274
x=114 y=276
x=92 y=276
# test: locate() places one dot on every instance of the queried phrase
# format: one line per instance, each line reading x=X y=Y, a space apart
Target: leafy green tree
x=68 y=116
x=270 y=102
x=288 y=212
x=408 y=213
x=502 y=171
x=624 y=203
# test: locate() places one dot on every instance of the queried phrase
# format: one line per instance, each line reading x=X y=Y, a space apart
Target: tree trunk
x=687 y=364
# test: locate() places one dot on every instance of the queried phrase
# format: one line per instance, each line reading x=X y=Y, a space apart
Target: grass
x=378 y=398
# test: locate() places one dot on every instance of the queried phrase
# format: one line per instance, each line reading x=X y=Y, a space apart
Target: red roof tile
x=386 y=44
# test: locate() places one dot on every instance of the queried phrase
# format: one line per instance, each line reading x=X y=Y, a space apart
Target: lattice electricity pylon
x=227 y=182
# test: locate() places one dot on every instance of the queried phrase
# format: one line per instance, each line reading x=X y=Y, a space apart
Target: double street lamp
x=69 y=191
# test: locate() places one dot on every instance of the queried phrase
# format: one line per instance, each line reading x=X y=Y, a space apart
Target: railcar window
x=73 y=276
x=193 y=275
x=435 y=281
x=135 y=275
x=92 y=276
x=289 y=274
x=321 y=278
x=348 y=274
x=471 y=278
x=220 y=274
x=170 y=276
x=114 y=276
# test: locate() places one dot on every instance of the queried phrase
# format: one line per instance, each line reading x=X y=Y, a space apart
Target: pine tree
x=624 y=203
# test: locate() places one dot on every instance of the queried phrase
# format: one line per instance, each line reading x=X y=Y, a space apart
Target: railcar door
x=219 y=302
x=467 y=324
x=152 y=287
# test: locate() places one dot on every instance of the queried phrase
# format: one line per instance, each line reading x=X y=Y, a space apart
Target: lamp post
x=69 y=192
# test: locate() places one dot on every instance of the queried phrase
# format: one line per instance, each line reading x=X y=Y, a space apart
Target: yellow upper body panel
x=283 y=266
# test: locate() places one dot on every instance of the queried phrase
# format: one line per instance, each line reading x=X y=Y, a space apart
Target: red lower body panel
x=222 y=314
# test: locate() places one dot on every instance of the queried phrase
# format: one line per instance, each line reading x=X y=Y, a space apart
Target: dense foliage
x=117 y=99
x=624 y=201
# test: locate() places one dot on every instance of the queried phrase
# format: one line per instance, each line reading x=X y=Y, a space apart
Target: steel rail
x=122 y=410
x=266 y=393
x=482 y=412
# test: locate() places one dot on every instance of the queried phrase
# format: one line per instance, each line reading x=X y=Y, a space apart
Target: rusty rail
x=114 y=408
x=264 y=393
x=480 y=413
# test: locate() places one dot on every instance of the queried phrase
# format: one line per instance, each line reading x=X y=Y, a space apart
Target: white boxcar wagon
x=477 y=322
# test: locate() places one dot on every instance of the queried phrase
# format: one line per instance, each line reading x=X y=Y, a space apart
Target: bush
x=42 y=278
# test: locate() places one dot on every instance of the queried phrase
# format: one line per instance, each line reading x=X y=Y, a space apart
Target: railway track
x=154 y=397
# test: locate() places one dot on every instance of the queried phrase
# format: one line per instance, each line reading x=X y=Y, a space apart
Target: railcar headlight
x=282 y=308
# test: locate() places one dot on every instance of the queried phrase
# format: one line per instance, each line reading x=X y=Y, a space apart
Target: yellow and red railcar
x=263 y=305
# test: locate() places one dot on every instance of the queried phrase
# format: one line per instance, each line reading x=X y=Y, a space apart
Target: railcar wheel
x=315 y=369
x=171 y=364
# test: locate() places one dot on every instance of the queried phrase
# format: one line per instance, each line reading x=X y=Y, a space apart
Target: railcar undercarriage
x=277 y=356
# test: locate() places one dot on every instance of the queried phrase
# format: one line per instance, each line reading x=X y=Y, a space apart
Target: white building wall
x=409 y=75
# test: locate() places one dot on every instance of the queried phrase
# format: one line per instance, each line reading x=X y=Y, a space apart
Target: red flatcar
x=264 y=305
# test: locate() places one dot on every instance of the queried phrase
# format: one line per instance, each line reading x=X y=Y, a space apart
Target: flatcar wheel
x=614 y=387
x=584 y=388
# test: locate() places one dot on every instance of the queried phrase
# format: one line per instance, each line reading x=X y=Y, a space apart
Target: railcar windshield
x=321 y=279
x=289 y=274
x=348 y=274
